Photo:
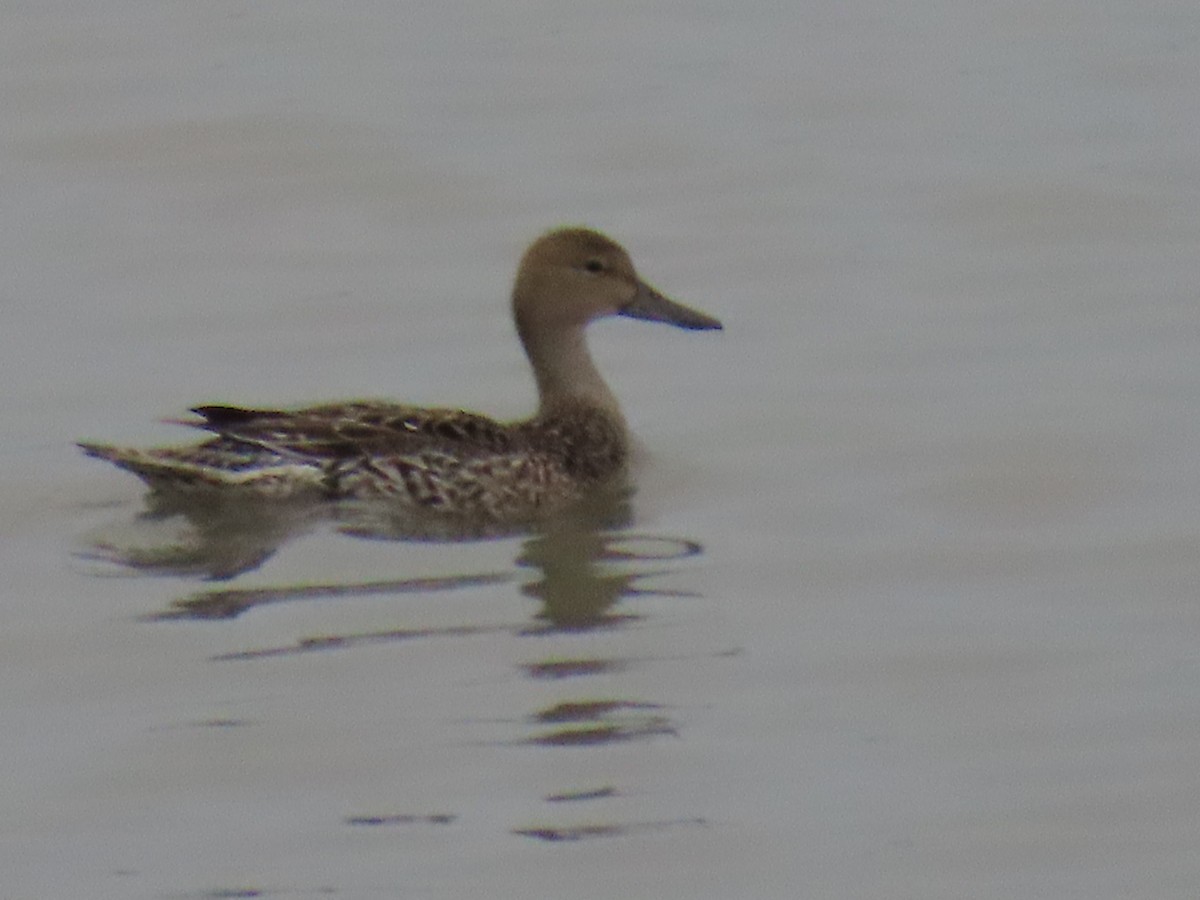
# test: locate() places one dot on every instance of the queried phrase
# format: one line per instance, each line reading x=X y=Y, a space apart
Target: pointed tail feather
x=155 y=470
x=177 y=470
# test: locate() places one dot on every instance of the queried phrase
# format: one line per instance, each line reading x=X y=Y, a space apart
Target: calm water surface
x=907 y=605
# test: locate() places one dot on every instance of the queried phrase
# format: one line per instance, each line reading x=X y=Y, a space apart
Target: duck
x=444 y=461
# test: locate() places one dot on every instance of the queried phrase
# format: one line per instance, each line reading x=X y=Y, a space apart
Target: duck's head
x=570 y=276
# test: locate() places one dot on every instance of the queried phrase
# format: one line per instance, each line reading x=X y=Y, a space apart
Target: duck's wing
x=338 y=431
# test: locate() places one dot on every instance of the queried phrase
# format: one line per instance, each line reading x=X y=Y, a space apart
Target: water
x=907 y=605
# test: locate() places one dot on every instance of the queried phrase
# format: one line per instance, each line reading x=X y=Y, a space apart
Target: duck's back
x=340 y=430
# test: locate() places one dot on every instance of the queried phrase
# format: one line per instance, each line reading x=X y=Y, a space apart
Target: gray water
x=908 y=604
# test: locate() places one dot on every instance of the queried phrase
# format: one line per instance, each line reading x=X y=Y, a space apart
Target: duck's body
x=442 y=460
x=437 y=460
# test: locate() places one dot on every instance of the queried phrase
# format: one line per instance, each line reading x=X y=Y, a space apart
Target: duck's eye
x=594 y=265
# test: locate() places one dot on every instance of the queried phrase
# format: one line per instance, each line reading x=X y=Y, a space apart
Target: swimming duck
x=446 y=461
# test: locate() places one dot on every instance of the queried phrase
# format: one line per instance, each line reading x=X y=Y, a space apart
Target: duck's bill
x=652 y=306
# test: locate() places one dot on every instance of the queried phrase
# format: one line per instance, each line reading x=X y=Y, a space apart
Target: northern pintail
x=446 y=460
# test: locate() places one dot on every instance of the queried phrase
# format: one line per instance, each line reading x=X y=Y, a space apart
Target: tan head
x=567 y=278
x=570 y=276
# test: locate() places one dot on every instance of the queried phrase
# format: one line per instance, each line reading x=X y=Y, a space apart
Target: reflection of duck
x=440 y=460
x=577 y=592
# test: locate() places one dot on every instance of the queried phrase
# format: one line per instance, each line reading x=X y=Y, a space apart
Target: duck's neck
x=566 y=375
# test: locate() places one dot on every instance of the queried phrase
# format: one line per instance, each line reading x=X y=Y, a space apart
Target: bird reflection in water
x=576 y=590
x=585 y=560
x=585 y=565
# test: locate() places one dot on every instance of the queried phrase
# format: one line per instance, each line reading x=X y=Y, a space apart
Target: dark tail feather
x=220 y=417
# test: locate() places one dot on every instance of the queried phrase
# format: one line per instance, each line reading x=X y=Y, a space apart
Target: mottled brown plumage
x=446 y=461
